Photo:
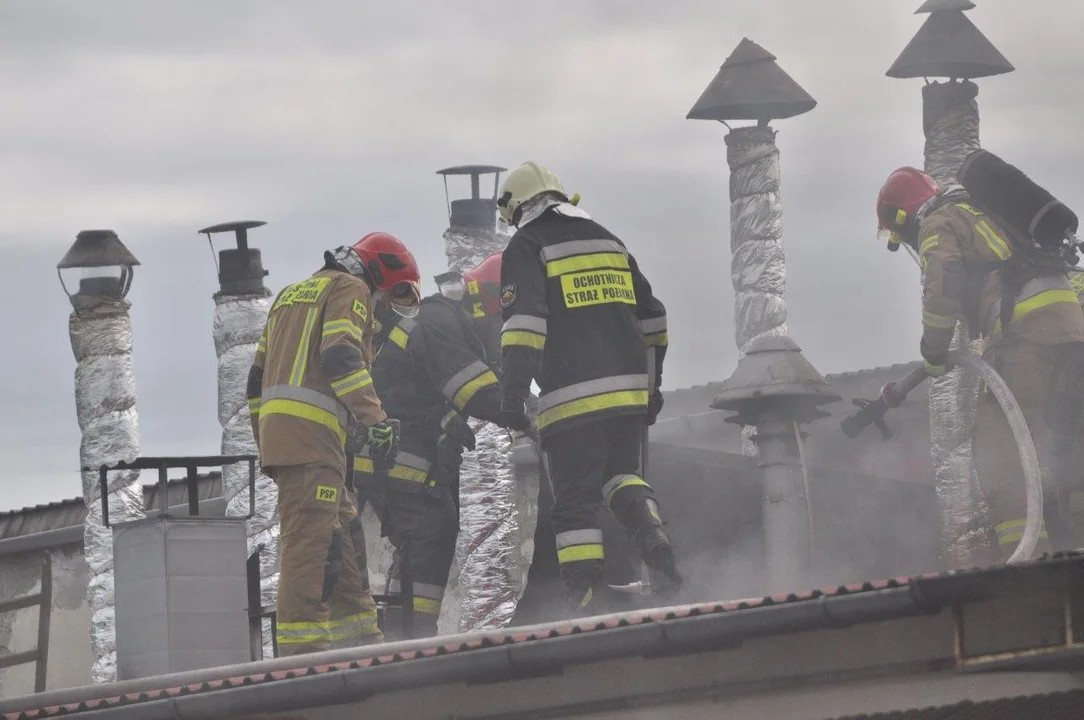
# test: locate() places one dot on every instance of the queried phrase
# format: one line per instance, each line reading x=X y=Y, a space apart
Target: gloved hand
x=514 y=415
x=356 y=437
x=383 y=439
x=456 y=436
x=654 y=406
x=449 y=455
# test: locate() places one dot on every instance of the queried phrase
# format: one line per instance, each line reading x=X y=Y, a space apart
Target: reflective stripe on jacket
x=579 y=317
x=961 y=251
x=310 y=377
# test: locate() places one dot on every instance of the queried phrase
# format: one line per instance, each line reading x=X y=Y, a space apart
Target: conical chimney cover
x=97 y=248
x=938 y=5
x=948 y=45
x=751 y=86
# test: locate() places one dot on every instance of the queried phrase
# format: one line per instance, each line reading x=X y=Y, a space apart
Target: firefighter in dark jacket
x=580 y=317
x=431 y=373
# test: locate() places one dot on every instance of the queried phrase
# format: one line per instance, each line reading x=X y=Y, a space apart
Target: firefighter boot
x=583 y=579
x=641 y=517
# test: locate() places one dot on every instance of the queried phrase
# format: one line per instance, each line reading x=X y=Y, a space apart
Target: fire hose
x=893 y=394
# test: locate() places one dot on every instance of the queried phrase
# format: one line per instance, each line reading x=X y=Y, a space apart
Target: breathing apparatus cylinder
x=1027 y=208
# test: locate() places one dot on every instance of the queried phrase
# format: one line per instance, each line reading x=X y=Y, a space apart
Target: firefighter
x=311 y=398
x=972 y=270
x=431 y=372
x=580 y=318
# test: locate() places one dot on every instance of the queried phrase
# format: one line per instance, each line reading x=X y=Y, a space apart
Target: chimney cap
x=948 y=45
x=97 y=248
x=931 y=6
x=750 y=85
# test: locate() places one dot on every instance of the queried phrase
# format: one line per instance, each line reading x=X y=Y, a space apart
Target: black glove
x=455 y=437
x=514 y=415
x=654 y=406
x=383 y=441
x=455 y=427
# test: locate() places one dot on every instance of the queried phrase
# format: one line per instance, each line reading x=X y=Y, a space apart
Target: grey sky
x=328 y=119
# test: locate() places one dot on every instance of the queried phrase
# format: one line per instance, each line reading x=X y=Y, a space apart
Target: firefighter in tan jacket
x=1034 y=328
x=311 y=399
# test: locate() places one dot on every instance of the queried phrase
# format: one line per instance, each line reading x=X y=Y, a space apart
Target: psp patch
x=327 y=494
x=508 y=295
x=360 y=311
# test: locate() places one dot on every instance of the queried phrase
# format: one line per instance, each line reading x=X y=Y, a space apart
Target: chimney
x=775 y=389
x=497 y=499
x=105 y=402
x=949 y=46
x=751 y=86
x=241 y=307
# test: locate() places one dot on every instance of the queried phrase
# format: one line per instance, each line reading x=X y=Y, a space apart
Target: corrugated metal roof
x=924 y=591
x=1067 y=705
x=70 y=513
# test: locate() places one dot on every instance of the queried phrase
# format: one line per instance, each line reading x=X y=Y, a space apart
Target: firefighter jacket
x=310 y=378
x=579 y=317
x=429 y=370
x=968 y=273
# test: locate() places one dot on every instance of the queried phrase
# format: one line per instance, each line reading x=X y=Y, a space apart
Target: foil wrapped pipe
x=951 y=125
x=105 y=401
x=758 y=263
x=238 y=323
x=497 y=514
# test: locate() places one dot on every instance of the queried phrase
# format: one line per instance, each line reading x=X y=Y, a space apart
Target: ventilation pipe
x=498 y=512
x=241 y=307
x=949 y=46
x=105 y=402
x=751 y=86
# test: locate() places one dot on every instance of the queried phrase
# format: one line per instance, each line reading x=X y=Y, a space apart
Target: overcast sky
x=328 y=119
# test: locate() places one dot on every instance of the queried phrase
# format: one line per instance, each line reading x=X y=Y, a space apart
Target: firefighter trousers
x=422 y=524
x=1046 y=381
x=323 y=598
x=592 y=467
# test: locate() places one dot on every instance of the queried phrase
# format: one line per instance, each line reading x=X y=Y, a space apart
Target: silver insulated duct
x=948 y=45
x=496 y=529
x=750 y=85
x=105 y=402
x=241 y=308
x=951 y=120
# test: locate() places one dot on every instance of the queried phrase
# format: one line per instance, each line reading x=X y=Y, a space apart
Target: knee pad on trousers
x=333 y=565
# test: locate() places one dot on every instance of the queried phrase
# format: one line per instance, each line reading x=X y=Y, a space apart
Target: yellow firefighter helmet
x=525 y=182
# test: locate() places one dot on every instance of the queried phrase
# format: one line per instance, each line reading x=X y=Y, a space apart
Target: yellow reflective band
x=468 y=391
x=1012 y=531
x=657 y=339
x=596 y=261
x=363 y=623
x=938 y=322
x=363 y=464
x=597 y=288
x=1036 y=302
x=993 y=240
x=342 y=327
x=1076 y=280
x=598 y=403
x=399 y=337
x=587 y=598
x=523 y=338
x=325 y=493
x=969 y=208
x=301 y=359
x=578 y=553
x=405 y=472
x=298 y=409
x=425 y=605
x=300 y=633
x=928 y=244
x=261 y=347
x=254 y=406
x=630 y=481
x=353 y=381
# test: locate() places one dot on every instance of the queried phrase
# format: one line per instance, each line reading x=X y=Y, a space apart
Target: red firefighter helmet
x=906 y=190
x=391 y=267
x=483 y=287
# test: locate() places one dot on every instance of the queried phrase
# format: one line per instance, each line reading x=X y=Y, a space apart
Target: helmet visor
x=405 y=298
